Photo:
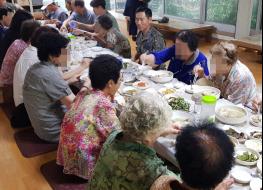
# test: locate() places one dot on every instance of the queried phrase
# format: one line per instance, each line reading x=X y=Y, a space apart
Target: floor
x=19 y=173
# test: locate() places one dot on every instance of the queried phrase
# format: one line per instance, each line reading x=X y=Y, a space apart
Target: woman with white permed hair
x=128 y=160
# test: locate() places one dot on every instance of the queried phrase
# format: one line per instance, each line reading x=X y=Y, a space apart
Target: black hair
x=68 y=1
x=105 y=22
x=28 y=28
x=103 y=69
x=146 y=10
x=4 y=11
x=50 y=44
x=18 y=19
x=205 y=155
x=38 y=32
x=188 y=37
x=97 y=3
x=79 y=3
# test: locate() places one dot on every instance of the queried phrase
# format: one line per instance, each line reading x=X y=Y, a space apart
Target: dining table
x=80 y=48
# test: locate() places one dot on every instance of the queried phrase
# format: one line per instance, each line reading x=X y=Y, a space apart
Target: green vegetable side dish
x=178 y=103
x=247 y=157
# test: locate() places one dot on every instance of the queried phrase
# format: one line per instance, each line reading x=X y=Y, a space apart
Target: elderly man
x=81 y=14
x=149 y=39
x=54 y=12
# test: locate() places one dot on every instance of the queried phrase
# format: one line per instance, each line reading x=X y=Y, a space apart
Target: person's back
x=41 y=99
x=126 y=165
x=119 y=43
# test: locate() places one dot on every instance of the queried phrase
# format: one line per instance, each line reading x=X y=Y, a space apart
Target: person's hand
x=225 y=185
x=172 y=130
x=143 y=58
x=85 y=63
x=78 y=32
x=199 y=71
x=63 y=29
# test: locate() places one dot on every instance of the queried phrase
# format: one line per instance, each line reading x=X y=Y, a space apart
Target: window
x=183 y=8
x=223 y=11
x=120 y=5
x=157 y=7
x=254 y=14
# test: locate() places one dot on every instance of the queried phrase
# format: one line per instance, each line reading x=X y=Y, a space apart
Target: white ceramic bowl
x=162 y=76
x=224 y=113
x=259 y=165
x=240 y=151
x=182 y=118
x=241 y=174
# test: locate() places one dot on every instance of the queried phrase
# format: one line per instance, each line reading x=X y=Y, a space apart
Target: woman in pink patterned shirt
x=90 y=120
x=15 y=50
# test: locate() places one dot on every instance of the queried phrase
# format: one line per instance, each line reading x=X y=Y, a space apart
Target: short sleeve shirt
x=59 y=14
x=118 y=43
x=87 y=18
x=151 y=42
x=42 y=91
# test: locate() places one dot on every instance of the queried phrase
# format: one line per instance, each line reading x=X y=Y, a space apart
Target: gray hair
x=145 y=113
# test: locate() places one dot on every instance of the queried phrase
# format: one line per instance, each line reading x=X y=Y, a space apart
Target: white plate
x=240 y=151
x=137 y=85
x=205 y=90
x=241 y=174
x=182 y=118
x=254 y=144
x=129 y=91
x=256 y=120
x=179 y=85
x=256 y=184
x=231 y=114
x=259 y=165
x=167 y=91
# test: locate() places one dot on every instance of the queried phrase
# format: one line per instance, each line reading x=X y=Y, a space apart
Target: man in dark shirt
x=6 y=15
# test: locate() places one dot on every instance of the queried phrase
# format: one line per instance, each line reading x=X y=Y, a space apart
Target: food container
x=208 y=108
x=231 y=115
x=162 y=77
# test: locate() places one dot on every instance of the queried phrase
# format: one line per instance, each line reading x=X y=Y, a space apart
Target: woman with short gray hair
x=127 y=160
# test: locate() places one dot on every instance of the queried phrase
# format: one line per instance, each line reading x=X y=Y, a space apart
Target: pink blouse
x=11 y=57
x=84 y=130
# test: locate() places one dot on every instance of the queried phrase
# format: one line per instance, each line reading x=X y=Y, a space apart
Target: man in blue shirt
x=184 y=57
x=81 y=14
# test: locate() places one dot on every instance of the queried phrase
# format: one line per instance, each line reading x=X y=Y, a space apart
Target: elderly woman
x=233 y=78
x=109 y=37
x=128 y=160
x=90 y=120
x=205 y=157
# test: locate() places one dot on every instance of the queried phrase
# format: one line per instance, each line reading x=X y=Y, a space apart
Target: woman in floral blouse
x=90 y=120
x=233 y=78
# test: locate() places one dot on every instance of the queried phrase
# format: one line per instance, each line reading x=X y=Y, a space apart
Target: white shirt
x=26 y=60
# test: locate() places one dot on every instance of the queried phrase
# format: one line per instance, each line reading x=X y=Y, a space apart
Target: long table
x=164 y=145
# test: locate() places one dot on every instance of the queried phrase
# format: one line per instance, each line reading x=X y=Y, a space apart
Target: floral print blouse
x=11 y=57
x=126 y=165
x=239 y=87
x=85 y=128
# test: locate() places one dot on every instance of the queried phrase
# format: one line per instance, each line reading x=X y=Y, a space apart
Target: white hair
x=145 y=113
